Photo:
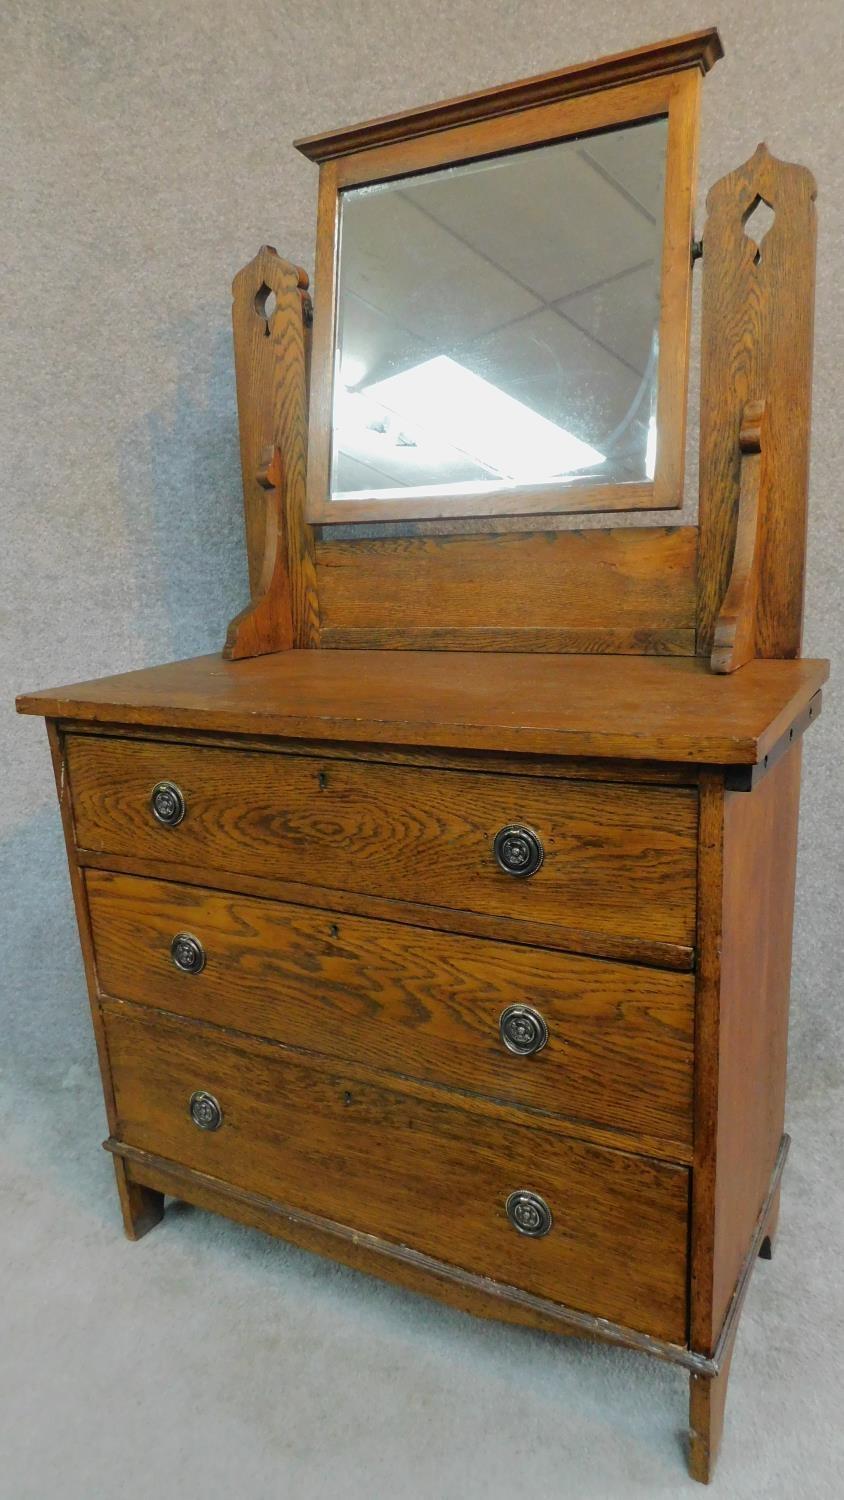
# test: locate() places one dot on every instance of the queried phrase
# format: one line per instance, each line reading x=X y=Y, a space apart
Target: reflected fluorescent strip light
x=482 y=421
x=650 y=451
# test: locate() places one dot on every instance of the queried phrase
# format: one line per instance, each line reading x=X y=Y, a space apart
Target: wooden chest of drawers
x=505 y=1106
x=503 y=1027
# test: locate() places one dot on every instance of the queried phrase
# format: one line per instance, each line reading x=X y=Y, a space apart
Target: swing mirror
x=507 y=333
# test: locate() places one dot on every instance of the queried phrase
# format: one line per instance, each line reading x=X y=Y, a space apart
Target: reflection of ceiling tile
x=461 y=261
x=418 y=274
x=374 y=344
x=622 y=314
x=366 y=457
x=558 y=371
x=546 y=216
x=636 y=159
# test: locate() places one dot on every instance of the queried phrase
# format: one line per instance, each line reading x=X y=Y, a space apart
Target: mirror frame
x=493 y=124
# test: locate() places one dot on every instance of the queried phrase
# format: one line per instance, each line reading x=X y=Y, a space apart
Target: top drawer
x=618 y=860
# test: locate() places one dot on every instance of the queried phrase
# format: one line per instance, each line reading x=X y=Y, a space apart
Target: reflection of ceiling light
x=352 y=370
x=480 y=420
x=650 y=450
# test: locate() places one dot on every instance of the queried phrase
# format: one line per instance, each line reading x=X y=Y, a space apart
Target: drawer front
x=429 y=1174
x=619 y=860
x=427 y=1004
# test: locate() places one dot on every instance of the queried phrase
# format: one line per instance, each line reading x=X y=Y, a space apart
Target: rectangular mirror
x=508 y=327
x=498 y=322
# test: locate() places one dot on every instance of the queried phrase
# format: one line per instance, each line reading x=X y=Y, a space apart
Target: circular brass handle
x=518 y=850
x=522 y=1030
x=187 y=953
x=529 y=1213
x=167 y=803
x=205 y=1111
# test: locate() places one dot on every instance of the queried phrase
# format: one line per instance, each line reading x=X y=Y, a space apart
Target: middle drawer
x=425 y=1004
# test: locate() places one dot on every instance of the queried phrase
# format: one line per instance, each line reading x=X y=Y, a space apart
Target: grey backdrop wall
x=145 y=155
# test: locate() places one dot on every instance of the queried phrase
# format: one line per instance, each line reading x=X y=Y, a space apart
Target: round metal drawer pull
x=522 y=1030
x=167 y=803
x=205 y=1111
x=529 y=1213
x=518 y=850
x=187 y=953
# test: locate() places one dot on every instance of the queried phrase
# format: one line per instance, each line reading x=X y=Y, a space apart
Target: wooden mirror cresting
x=442 y=923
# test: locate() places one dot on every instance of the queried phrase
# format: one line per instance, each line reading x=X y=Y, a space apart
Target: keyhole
x=759 y=217
x=322 y=780
x=265 y=305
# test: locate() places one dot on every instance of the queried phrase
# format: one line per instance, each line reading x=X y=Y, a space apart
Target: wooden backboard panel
x=625 y=590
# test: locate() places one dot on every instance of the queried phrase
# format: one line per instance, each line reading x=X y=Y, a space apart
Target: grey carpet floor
x=212 y=1360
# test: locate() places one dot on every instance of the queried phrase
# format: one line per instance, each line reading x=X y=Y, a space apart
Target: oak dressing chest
x=442 y=923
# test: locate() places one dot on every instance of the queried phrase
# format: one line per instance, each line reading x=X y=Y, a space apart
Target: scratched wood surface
x=618 y=859
x=643 y=708
x=414 y=1002
x=756 y=345
x=320 y=1137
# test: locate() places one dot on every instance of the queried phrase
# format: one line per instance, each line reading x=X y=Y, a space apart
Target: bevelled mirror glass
x=497 y=323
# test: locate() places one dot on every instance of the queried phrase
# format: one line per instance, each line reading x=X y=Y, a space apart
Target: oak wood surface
x=58 y=744
x=747 y=870
x=617 y=859
x=661 y=773
x=756 y=344
x=697 y=49
x=142 y=1207
x=734 y=641
x=400 y=1264
x=639 y=708
x=622 y=590
x=556 y=936
x=707 y=1397
x=322 y=1141
x=414 y=1002
x=272 y=401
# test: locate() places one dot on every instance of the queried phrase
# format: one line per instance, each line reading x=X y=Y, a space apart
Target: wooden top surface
x=697 y=49
x=615 y=707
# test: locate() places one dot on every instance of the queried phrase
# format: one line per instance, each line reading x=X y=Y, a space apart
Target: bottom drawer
x=409 y=1166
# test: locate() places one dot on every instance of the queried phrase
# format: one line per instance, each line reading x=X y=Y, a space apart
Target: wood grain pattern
x=734 y=643
x=697 y=50
x=647 y=641
x=637 y=708
x=413 y=1002
x=757 y=328
x=662 y=773
x=320 y=1140
x=141 y=1209
x=400 y=1264
x=618 y=859
x=621 y=590
x=556 y=936
x=748 y=856
x=272 y=402
x=675 y=94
